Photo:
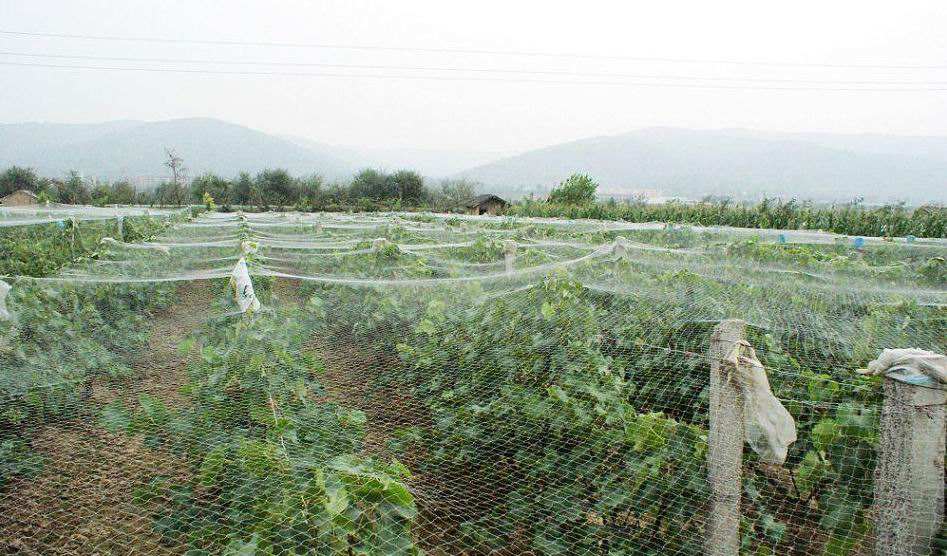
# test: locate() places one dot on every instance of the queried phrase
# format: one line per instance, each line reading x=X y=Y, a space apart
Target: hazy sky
x=805 y=43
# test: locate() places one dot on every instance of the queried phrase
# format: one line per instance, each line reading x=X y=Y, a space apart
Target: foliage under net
x=444 y=385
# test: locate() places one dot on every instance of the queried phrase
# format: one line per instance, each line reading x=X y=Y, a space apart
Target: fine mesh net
x=416 y=383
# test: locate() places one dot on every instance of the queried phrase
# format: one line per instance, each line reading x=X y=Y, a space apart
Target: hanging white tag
x=621 y=247
x=379 y=244
x=243 y=288
x=249 y=247
x=4 y=290
x=769 y=427
x=911 y=366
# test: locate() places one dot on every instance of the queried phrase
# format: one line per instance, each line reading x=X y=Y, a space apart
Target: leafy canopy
x=15 y=178
x=579 y=189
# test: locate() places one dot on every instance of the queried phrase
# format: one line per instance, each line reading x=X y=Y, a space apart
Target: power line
x=467 y=78
x=431 y=50
x=462 y=69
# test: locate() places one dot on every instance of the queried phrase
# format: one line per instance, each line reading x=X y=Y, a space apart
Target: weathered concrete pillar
x=509 y=255
x=909 y=479
x=725 y=442
x=73 y=232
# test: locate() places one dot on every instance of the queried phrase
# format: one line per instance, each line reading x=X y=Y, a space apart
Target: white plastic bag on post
x=4 y=290
x=769 y=427
x=621 y=247
x=911 y=366
x=243 y=288
x=379 y=244
x=249 y=247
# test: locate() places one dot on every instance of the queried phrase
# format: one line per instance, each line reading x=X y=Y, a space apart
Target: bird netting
x=406 y=383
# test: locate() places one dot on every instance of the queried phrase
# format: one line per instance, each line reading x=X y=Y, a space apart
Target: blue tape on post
x=859 y=242
x=782 y=239
x=910 y=239
x=61 y=224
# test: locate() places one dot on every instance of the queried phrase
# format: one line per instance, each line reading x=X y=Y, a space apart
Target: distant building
x=19 y=198
x=486 y=204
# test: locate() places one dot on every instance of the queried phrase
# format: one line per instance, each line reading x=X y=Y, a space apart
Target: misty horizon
x=431 y=76
x=809 y=99
x=497 y=153
x=657 y=161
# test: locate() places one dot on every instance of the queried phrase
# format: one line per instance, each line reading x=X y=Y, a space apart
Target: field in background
x=444 y=383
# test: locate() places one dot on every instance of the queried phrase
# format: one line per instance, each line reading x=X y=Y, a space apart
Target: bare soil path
x=81 y=502
x=356 y=377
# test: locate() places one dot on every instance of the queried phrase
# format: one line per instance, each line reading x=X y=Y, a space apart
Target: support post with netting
x=909 y=485
x=725 y=442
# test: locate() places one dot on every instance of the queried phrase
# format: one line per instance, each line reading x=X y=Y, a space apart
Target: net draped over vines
x=469 y=385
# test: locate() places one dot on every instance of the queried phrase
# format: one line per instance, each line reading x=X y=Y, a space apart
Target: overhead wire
x=469 y=78
x=453 y=50
x=164 y=60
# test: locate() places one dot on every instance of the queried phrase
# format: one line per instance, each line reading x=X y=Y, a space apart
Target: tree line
x=370 y=189
x=573 y=198
x=576 y=198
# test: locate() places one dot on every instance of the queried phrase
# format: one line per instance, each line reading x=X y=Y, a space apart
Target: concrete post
x=73 y=230
x=909 y=479
x=509 y=255
x=725 y=443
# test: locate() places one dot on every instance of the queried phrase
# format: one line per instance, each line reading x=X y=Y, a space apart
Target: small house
x=19 y=198
x=486 y=204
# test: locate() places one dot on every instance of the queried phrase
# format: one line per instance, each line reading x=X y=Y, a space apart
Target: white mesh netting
x=407 y=383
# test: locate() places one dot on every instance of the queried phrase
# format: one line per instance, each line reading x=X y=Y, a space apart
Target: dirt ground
x=81 y=502
x=351 y=379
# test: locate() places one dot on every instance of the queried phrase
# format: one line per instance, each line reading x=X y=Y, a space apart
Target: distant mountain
x=135 y=149
x=913 y=146
x=432 y=163
x=738 y=163
x=671 y=162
